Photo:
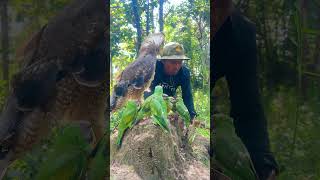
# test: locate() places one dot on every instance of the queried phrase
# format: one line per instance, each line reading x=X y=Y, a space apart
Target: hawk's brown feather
x=138 y=75
x=45 y=91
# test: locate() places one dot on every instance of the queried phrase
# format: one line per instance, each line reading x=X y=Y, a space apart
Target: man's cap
x=173 y=50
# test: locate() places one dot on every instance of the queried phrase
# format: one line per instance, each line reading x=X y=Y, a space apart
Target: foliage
x=192 y=31
x=288 y=45
x=67 y=158
x=34 y=14
x=202 y=106
x=230 y=153
x=3 y=92
x=282 y=109
x=186 y=23
x=63 y=155
x=99 y=163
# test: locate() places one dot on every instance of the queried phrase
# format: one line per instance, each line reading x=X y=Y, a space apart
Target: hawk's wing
x=52 y=52
x=136 y=77
x=65 y=45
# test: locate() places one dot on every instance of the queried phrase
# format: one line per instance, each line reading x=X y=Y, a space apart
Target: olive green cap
x=173 y=50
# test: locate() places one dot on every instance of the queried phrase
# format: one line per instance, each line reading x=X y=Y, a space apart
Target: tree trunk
x=147 y=17
x=136 y=15
x=305 y=82
x=317 y=55
x=151 y=17
x=5 y=39
x=161 y=15
x=111 y=73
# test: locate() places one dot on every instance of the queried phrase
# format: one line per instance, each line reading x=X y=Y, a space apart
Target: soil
x=148 y=152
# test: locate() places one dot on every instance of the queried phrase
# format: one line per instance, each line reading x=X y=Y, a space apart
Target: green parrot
x=168 y=100
x=156 y=107
x=182 y=111
x=99 y=160
x=144 y=111
x=67 y=158
x=127 y=118
x=230 y=153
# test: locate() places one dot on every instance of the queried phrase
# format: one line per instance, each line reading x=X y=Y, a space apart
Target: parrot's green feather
x=119 y=138
x=68 y=156
x=127 y=119
x=99 y=162
x=159 y=109
x=156 y=107
x=169 y=103
x=230 y=152
x=161 y=122
x=183 y=111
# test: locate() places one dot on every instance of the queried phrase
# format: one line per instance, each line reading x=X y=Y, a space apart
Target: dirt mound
x=147 y=152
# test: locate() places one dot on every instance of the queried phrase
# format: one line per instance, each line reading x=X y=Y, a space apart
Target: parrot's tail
x=151 y=44
x=119 y=139
x=161 y=122
x=139 y=117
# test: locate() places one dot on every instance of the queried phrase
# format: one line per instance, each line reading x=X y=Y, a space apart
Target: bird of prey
x=127 y=118
x=138 y=75
x=63 y=77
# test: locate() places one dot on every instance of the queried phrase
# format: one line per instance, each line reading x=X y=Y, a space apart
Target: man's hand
x=189 y=126
x=193 y=123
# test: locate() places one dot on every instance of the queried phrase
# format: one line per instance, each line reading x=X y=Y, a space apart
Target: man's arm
x=246 y=108
x=187 y=95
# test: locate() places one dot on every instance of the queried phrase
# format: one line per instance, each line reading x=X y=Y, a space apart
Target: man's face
x=172 y=67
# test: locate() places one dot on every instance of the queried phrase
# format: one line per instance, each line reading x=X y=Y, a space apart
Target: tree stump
x=148 y=152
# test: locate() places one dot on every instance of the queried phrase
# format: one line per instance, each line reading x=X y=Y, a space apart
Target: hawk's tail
x=151 y=44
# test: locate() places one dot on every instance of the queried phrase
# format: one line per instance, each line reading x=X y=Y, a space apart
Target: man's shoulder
x=158 y=63
x=241 y=22
x=243 y=28
x=159 y=66
x=244 y=31
x=185 y=71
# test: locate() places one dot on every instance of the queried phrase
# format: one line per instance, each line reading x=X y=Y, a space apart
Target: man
x=171 y=73
x=235 y=58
